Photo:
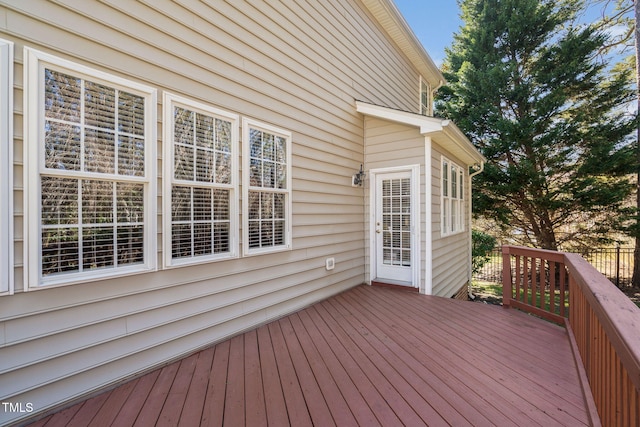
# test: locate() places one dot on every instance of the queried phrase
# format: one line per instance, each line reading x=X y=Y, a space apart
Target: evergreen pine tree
x=528 y=88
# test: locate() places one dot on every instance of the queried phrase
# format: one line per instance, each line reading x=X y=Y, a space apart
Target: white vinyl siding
x=6 y=167
x=201 y=170
x=90 y=150
x=267 y=188
x=452 y=198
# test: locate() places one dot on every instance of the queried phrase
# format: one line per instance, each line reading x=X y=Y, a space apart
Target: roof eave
x=390 y=18
x=435 y=127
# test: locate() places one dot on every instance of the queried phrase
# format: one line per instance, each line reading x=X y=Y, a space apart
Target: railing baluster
x=563 y=290
x=525 y=282
x=507 y=282
x=518 y=278
x=534 y=282
x=552 y=287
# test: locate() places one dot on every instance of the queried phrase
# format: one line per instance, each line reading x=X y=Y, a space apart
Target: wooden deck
x=369 y=356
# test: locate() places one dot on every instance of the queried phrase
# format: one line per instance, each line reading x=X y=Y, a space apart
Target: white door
x=394 y=227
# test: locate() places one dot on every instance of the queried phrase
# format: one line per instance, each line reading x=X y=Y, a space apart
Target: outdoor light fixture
x=358 y=178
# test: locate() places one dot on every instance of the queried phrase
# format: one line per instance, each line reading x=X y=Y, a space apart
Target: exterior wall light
x=358 y=178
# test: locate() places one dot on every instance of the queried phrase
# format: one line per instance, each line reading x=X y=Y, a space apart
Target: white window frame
x=452 y=198
x=247 y=125
x=171 y=101
x=6 y=168
x=34 y=165
x=425 y=109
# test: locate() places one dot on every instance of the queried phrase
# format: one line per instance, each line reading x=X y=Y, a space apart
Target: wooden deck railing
x=536 y=282
x=604 y=322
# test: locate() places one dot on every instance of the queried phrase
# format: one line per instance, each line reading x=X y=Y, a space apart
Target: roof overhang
x=392 y=21
x=445 y=132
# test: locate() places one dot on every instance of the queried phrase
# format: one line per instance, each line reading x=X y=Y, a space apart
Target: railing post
x=618 y=265
x=507 y=282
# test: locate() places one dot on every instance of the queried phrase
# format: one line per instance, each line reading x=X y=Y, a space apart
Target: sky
x=433 y=22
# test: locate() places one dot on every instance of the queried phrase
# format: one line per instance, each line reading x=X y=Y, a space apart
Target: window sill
x=451 y=234
x=63 y=279
x=198 y=260
x=269 y=250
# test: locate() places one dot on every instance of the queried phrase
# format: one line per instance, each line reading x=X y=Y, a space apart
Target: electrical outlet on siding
x=330 y=264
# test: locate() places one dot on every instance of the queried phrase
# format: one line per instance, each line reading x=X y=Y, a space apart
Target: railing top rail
x=619 y=316
x=554 y=256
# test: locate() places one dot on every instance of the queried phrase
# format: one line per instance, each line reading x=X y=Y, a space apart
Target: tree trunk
x=636 y=253
x=547 y=239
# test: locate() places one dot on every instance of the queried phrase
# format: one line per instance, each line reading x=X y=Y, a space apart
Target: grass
x=492 y=293
x=487 y=292
x=488 y=288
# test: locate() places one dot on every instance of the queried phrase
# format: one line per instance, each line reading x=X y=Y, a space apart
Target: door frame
x=416 y=215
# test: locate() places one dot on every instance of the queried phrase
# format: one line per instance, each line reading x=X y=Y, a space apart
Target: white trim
x=415 y=218
x=34 y=64
x=460 y=200
x=428 y=211
x=425 y=84
x=248 y=123
x=6 y=168
x=469 y=222
x=169 y=101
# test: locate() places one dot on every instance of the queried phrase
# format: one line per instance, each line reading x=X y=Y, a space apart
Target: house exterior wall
x=298 y=66
x=389 y=145
x=451 y=254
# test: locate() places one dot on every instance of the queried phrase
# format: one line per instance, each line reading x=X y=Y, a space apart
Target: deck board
x=361 y=411
x=408 y=404
x=336 y=403
x=133 y=405
x=369 y=356
x=274 y=397
x=234 y=404
x=109 y=410
x=194 y=402
x=256 y=412
x=520 y=360
x=496 y=384
x=296 y=406
x=213 y=411
x=446 y=392
x=150 y=411
x=355 y=374
x=172 y=408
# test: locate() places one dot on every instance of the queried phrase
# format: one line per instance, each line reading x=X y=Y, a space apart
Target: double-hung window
x=425 y=100
x=266 y=188
x=200 y=182
x=452 y=199
x=6 y=169
x=90 y=172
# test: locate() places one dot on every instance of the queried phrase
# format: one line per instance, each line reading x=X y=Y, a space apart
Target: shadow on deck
x=369 y=356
